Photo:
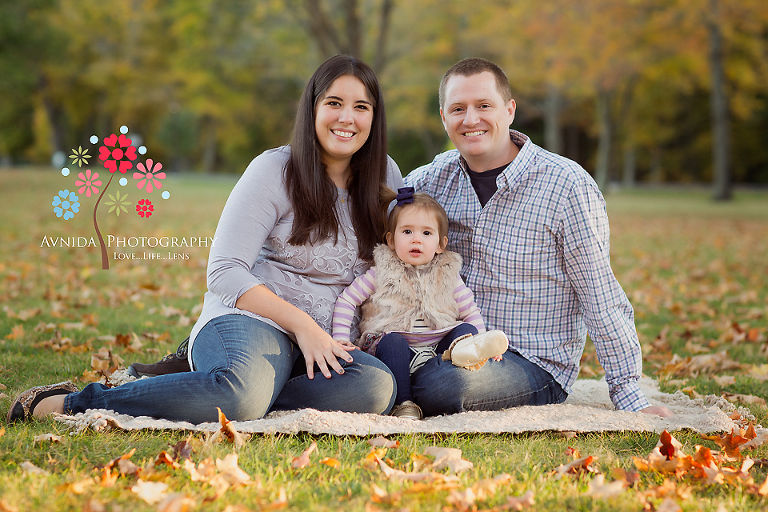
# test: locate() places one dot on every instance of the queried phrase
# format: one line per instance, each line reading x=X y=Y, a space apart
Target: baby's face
x=416 y=239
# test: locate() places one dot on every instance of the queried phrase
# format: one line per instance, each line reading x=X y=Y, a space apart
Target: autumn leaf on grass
x=629 y=477
x=30 y=468
x=371 y=460
x=448 y=458
x=666 y=457
x=177 y=502
x=745 y=399
x=203 y=472
x=229 y=469
x=519 y=502
x=331 y=462
x=78 y=487
x=693 y=366
x=599 y=489
x=104 y=360
x=303 y=460
x=576 y=467
x=123 y=464
x=732 y=441
x=669 y=505
x=383 y=442
x=17 y=332
x=480 y=491
x=397 y=474
x=151 y=492
x=228 y=432
x=42 y=438
x=164 y=458
x=183 y=449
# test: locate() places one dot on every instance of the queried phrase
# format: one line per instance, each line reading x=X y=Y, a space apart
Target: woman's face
x=343 y=120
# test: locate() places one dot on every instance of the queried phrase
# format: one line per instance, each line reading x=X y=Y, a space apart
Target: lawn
x=696 y=272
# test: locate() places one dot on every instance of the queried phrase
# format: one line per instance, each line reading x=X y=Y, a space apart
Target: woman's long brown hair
x=312 y=192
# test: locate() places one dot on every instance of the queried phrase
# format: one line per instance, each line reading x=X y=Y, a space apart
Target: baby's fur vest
x=405 y=293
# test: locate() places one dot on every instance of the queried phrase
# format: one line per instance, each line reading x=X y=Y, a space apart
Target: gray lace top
x=251 y=248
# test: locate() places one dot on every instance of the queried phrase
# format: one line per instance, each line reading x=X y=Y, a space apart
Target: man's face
x=477 y=120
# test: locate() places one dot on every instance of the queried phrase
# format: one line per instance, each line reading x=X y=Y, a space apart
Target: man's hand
x=658 y=410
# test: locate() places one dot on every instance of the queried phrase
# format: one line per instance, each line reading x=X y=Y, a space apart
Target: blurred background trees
x=652 y=91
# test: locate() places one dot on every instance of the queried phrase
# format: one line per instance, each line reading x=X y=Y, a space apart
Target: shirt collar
x=519 y=165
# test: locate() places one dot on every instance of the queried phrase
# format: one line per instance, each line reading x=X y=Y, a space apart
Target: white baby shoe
x=471 y=352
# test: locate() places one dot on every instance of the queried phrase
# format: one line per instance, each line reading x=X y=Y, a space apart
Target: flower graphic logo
x=88 y=183
x=145 y=208
x=117 y=203
x=117 y=154
x=114 y=150
x=151 y=175
x=80 y=156
x=66 y=204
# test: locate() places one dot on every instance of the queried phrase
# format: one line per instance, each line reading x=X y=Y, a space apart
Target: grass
x=696 y=272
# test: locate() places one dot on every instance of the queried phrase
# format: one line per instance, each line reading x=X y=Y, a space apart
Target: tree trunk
x=605 y=123
x=721 y=129
x=629 y=173
x=553 y=104
x=380 y=59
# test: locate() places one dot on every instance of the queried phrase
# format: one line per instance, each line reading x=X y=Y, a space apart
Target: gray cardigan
x=251 y=248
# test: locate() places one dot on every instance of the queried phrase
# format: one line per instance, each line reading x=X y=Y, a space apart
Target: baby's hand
x=497 y=358
x=346 y=343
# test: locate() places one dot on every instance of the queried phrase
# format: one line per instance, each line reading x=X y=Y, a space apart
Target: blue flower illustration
x=65 y=204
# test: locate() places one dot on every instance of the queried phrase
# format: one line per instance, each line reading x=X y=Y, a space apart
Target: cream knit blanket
x=587 y=409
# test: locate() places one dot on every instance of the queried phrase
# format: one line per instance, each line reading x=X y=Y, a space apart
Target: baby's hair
x=422 y=201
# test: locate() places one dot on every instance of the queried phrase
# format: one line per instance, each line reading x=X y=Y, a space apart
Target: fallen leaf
x=177 y=502
x=724 y=380
x=164 y=458
x=42 y=438
x=746 y=399
x=231 y=471
x=577 y=466
x=448 y=458
x=30 y=468
x=151 y=492
x=7 y=507
x=78 y=487
x=669 y=505
x=303 y=460
x=17 y=332
x=519 y=502
x=601 y=490
x=383 y=442
x=228 y=432
x=330 y=461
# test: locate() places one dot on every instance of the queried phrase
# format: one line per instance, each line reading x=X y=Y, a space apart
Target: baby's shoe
x=407 y=410
x=471 y=352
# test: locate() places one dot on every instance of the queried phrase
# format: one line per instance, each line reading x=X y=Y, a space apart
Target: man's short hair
x=474 y=66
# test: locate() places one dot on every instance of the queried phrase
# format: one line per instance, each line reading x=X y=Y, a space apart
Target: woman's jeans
x=247 y=368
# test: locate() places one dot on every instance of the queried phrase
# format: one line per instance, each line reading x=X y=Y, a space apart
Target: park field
x=696 y=272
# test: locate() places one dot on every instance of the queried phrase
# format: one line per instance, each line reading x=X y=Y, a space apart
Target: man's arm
x=608 y=314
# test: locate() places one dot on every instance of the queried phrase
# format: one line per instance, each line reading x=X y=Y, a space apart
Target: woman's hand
x=317 y=346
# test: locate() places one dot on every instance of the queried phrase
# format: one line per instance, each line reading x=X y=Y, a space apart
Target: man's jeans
x=247 y=368
x=439 y=387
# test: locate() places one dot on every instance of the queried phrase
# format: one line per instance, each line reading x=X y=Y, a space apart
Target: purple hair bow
x=404 y=196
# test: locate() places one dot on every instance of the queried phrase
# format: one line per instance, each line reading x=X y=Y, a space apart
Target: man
x=532 y=229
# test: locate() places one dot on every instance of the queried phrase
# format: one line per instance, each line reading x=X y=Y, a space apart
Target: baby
x=414 y=304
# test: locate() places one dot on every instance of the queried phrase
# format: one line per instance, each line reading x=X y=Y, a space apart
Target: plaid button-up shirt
x=536 y=258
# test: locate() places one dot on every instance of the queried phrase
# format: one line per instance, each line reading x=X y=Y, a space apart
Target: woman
x=298 y=227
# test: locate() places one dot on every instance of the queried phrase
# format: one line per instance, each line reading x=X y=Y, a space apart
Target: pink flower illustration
x=149 y=175
x=88 y=183
x=113 y=152
x=145 y=208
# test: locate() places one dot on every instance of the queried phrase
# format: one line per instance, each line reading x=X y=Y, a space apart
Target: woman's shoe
x=25 y=403
x=172 y=363
x=471 y=352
